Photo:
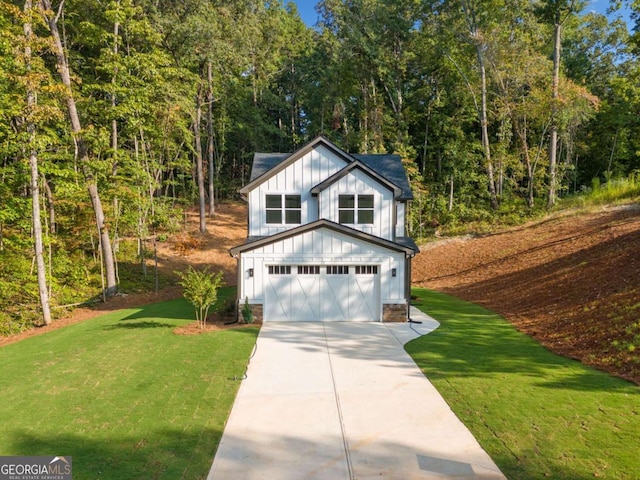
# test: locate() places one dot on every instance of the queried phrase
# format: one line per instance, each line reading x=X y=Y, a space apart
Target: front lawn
x=122 y=394
x=538 y=415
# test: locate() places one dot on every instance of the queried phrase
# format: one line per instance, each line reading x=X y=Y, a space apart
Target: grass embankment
x=122 y=394
x=538 y=415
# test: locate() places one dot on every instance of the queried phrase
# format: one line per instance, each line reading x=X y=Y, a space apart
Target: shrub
x=201 y=290
x=247 y=313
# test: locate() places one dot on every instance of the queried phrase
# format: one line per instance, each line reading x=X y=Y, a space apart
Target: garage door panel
x=336 y=298
x=331 y=293
x=363 y=289
x=306 y=298
x=278 y=297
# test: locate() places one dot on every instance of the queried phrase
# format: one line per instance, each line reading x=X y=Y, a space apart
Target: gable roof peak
x=387 y=166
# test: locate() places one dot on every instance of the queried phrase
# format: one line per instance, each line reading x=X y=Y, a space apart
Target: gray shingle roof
x=386 y=165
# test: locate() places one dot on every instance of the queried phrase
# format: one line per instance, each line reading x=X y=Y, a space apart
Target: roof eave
x=319 y=140
x=322 y=223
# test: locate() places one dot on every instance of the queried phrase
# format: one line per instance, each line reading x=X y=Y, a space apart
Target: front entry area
x=325 y=293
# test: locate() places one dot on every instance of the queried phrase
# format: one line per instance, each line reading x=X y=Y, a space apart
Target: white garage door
x=322 y=293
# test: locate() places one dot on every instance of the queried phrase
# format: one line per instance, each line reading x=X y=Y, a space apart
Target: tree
x=478 y=38
x=201 y=289
x=51 y=19
x=31 y=94
x=557 y=12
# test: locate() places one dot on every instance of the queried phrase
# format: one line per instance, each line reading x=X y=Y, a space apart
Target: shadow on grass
x=141 y=324
x=475 y=342
x=177 y=309
x=158 y=454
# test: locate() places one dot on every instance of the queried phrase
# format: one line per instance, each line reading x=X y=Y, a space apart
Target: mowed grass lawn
x=538 y=415
x=122 y=394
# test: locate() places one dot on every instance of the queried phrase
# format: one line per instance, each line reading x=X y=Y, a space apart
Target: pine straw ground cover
x=537 y=414
x=123 y=394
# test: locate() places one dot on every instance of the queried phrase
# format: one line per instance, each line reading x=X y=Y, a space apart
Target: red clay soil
x=572 y=282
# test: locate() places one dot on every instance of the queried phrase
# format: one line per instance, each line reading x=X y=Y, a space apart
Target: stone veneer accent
x=394 y=312
x=256 y=308
x=391 y=312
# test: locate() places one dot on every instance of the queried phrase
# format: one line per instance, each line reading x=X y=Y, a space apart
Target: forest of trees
x=117 y=114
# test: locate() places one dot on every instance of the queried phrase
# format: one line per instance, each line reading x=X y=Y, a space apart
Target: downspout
x=240 y=285
x=407 y=282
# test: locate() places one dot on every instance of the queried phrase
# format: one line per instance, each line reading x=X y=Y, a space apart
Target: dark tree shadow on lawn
x=158 y=454
x=473 y=341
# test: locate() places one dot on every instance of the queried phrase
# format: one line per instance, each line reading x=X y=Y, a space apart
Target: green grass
x=123 y=394
x=538 y=415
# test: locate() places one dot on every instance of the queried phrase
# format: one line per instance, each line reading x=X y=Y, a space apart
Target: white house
x=326 y=237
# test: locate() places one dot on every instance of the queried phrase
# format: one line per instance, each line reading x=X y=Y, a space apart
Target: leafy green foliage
x=374 y=76
x=201 y=289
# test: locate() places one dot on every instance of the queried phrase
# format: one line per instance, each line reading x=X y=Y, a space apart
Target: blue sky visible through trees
x=307 y=9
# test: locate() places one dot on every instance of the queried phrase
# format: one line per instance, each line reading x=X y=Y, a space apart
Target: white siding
x=298 y=178
x=359 y=183
x=401 y=219
x=322 y=247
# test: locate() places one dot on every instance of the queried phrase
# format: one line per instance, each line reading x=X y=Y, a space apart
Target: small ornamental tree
x=201 y=289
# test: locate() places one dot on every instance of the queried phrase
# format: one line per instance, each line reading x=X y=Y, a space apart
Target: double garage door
x=322 y=293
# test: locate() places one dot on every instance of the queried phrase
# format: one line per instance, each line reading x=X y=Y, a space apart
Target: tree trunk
x=485 y=130
x=35 y=191
x=51 y=206
x=51 y=20
x=199 y=169
x=553 y=140
x=476 y=37
x=210 y=149
x=114 y=122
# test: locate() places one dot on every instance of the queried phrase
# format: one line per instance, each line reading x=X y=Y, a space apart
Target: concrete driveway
x=343 y=401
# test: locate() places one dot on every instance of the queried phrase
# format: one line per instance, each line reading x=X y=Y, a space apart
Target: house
x=326 y=237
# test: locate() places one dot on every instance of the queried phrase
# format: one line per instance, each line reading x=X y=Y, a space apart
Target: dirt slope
x=571 y=281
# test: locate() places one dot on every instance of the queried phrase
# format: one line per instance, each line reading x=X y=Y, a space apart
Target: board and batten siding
x=322 y=247
x=401 y=209
x=296 y=179
x=359 y=183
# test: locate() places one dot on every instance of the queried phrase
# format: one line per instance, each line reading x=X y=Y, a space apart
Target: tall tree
x=478 y=37
x=31 y=93
x=51 y=18
x=557 y=12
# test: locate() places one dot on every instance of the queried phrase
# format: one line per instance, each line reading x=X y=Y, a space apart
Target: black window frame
x=279 y=269
x=283 y=209
x=308 y=269
x=351 y=210
x=337 y=269
x=366 y=269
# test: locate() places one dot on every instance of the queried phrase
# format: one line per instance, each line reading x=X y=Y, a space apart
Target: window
x=287 y=207
x=337 y=270
x=279 y=269
x=366 y=269
x=355 y=209
x=308 y=269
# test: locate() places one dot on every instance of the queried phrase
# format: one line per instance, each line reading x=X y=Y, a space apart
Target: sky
x=307 y=9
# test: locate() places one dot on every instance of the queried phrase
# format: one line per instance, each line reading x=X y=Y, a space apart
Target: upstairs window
x=355 y=209
x=283 y=209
